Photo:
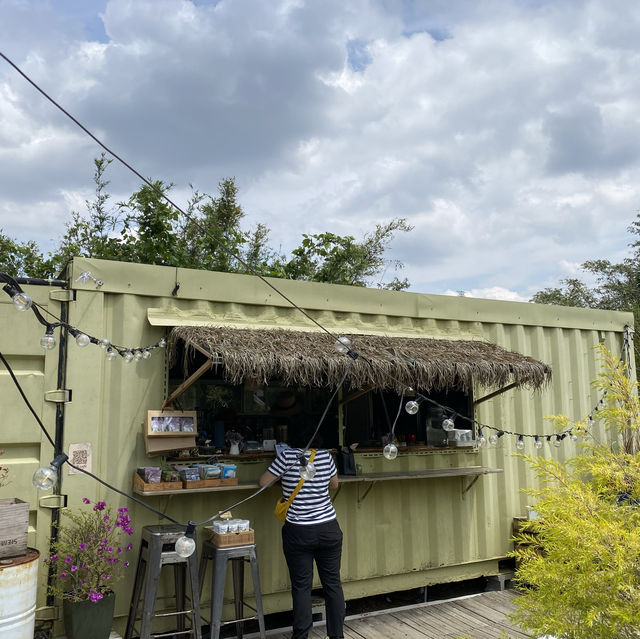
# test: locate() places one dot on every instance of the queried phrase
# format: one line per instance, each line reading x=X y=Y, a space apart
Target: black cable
x=24 y=397
x=189 y=217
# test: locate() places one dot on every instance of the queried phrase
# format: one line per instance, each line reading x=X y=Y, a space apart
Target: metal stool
x=157 y=549
x=237 y=555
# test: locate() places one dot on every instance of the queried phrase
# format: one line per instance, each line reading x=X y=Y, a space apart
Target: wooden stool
x=238 y=555
x=157 y=549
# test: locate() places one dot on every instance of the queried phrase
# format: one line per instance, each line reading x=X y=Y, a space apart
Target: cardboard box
x=14 y=523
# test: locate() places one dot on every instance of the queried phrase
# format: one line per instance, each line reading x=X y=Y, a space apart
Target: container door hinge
x=48 y=613
x=62 y=295
x=59 y=396
x=53 y=501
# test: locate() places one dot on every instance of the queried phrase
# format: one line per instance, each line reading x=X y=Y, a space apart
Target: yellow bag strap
x=296 y=490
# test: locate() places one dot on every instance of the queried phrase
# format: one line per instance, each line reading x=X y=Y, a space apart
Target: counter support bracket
x=362 y=497
x=469 y=485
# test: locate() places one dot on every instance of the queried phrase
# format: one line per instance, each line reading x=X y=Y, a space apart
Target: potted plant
x=89 y=555
x=234 y=439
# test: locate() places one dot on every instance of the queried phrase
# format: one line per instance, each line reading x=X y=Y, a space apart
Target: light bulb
x=493 y=439
x=82 y=339
x=104 y=343
x=185 y=546
x=22 y=301
x=137 y=355
x=128 y=357
x=48 y=341
x=448 y=424
x=111 y=355
x=308 y=471
x=146 y=353
x=162 y=343
x=538 y=443
x=412 y=407
x=520 y=443
x=45 y=477
x=557 y=441
x=481 y=441
x=390 y=451
x=573 y=437
x=342 y=344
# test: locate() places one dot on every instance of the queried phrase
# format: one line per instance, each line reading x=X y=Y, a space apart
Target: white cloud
x=503 y=133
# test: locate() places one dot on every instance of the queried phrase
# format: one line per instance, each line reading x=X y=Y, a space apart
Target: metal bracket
x=366 y=492
x=471 y=483
x=48 y=613
x=62 y=295
x=58 y=396
x=53 y=501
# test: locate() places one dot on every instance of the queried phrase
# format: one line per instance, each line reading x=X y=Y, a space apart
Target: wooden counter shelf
x=243 y=485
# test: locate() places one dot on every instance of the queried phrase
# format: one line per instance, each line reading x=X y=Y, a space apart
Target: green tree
x=23 y=258
x=579 y=568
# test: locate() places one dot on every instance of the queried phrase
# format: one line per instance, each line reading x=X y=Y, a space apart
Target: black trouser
x=302 y=545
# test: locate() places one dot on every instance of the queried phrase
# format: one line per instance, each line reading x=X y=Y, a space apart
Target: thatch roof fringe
x=299 y=358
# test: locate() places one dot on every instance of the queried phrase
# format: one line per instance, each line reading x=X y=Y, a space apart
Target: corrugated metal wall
x=398 y=534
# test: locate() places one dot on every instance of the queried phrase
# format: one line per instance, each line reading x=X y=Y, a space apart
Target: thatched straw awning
x=297 y=358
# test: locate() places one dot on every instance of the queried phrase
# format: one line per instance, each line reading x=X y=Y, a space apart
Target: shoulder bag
x=282 y=505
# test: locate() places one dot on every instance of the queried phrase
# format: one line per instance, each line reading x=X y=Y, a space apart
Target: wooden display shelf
x=246 y=485
x=209 y=483
x=460 y=471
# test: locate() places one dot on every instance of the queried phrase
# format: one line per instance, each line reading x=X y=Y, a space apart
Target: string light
x=185 y=546
x=21 y=300
x=342 y=345
x=48 y=341
x=537 y=443
x=482 y=440
x=104 y=343
x=390 y=451
x=413 y=406
x=46 y=477
x=520 y=443
x=448 y=424
x=307 y=469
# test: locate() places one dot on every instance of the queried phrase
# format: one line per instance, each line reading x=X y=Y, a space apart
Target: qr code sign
x=80 y=456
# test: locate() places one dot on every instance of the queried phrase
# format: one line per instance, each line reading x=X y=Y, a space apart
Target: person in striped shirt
x=310 y=533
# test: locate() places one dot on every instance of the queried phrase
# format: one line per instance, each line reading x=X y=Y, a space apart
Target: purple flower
x=62 y=575
x=119 y=550
x=129 y=546
x=126 y=564
x=67 y=559
x=53 y=558
x=106 y=517
x=86 y=501
x=74 y=568
x=123 y=510
x=112 y=560
x=82 y=546
x=95 y=596
x=109 y=549
x=100 y=505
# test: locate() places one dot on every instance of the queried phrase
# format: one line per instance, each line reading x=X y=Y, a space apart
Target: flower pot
x=83 y=619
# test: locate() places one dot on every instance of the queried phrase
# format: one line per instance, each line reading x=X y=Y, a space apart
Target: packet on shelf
x=229 y=470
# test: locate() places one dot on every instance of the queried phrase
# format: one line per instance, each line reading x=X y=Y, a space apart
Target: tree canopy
x=147 y=229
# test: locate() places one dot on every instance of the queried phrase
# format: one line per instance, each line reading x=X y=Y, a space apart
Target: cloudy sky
x=505 y=131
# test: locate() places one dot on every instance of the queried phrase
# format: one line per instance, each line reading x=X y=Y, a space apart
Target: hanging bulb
x=342 y=344
x=146 y=353
x=128 y=357
x=573 y=437
x=162 y=343
x=82 y=339
x=538 y=443
x=137 y=355
x=520 y=443
x=493 y=439
x=390 y=451
x=307 y=469
x=557 y=441
x=48 y=341
x=22 y=301
x=111 y=354
x=185 y=546
x=104 y=343
x=482 y=440
x=46 y=477
x=448 y=424
x=412 y=407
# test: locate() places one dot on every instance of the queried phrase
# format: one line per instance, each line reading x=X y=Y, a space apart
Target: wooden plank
x=427 y=473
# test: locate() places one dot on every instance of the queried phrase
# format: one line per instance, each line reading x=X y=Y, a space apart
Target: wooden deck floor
x=482 y=616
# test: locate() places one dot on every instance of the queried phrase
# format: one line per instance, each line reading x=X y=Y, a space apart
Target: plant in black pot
x=89 y=555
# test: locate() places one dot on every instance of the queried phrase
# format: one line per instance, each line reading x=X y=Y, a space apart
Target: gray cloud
x=502 y=130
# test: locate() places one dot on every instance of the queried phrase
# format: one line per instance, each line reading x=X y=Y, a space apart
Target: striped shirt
x=312 y=504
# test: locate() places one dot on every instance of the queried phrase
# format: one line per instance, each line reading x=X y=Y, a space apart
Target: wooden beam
x=504 y=389
x=187 y=383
